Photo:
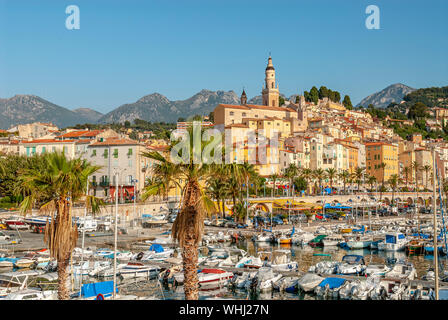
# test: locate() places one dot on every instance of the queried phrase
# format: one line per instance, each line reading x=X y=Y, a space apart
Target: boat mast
x=83 y=237
x=115 y=236
x=436 y=253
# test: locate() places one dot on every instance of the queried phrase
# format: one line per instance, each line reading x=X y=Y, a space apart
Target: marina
x=236 y=264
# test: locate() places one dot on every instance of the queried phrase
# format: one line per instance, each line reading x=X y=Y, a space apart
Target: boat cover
x=332 y=282
x=93 y=289
x=156 y=247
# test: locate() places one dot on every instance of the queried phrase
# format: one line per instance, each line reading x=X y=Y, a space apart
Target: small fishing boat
x=394 y=241
x=24 y=263
x=317 y=241
x=309 y=281
x=32 y=294
x=414 y=246
x=359 y=242
x=402 y=270
x=136 y=270
x=263 y=237
x=16 y=223
x=286 y=284
x=332 y=240
x=329 y=288
x=263 y=281
x=351 y=265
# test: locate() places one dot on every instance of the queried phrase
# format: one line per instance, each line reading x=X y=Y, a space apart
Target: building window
x=93 y=153
x=129 y=152
x=244 y=114
x=115 y=153
x=106 y=153
x=231 y=113
x=43 y=149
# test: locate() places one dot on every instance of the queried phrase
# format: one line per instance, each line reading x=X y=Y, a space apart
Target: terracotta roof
x=82 y=133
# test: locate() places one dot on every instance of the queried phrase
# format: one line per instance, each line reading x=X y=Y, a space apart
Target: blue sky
x=127 y=49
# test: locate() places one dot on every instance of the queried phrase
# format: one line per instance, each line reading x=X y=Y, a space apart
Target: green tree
x=347 y=102
x=188 y=227
x=55 y=189
x=314 y=95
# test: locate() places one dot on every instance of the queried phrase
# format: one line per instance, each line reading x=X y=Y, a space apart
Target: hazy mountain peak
x=392 y=93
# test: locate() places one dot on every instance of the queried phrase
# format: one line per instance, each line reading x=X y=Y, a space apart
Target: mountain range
x=154 y=107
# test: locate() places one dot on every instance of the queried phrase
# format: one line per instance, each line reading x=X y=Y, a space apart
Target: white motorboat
x=402 y=270
x=309 y=281
x=287 y=284
x=332 y=240
x=376 y=270
x=95 y=267
x=263 y=237
x=17 y=280
x=208 y=277
x=32 y=294
x=240 y=281
x=351 y=265
x=394 y=241
x=249 y=262
x=24 y=263
x=136 y=270
x=265 y=278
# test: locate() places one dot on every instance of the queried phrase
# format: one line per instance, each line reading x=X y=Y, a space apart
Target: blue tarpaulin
x=363 y=228
x=422 y=235
x=332 y=282
x=106 y=288
x=156 y=247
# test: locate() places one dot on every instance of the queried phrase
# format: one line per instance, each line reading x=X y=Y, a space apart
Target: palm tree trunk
x=62 y=279
x=190 y=264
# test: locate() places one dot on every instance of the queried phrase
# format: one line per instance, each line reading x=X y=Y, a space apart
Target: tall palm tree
x=359 y=175
x=371 y=181
x=188 y=227
x=344 y=176
x=406 y=171
x=216 y=190
x=416 y=168
x=55 y=189
x=394 y=181
x=382 y=166
x=290 y=173
x=307 y=174
x=331 y=175
x=319 y=175
x=427 y=168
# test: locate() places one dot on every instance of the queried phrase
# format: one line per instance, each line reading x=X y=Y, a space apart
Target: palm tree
x=319 y=175
x=382 y=166
x=307 y=174
x=331 y=175
x=371 y=181
x=55 y=189
x=359 y=175
x=291 y=172
x=216 y=190
x=188 y=227
x=274 y=178
x=427 y=168
x=394 y=181
x=344 y=176
x=406 y=171
x=416 y=168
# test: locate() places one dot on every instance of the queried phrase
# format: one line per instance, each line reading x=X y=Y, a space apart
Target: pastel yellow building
x=378 y=153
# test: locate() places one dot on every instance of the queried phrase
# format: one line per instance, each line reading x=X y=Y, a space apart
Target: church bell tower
x=270 y=92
